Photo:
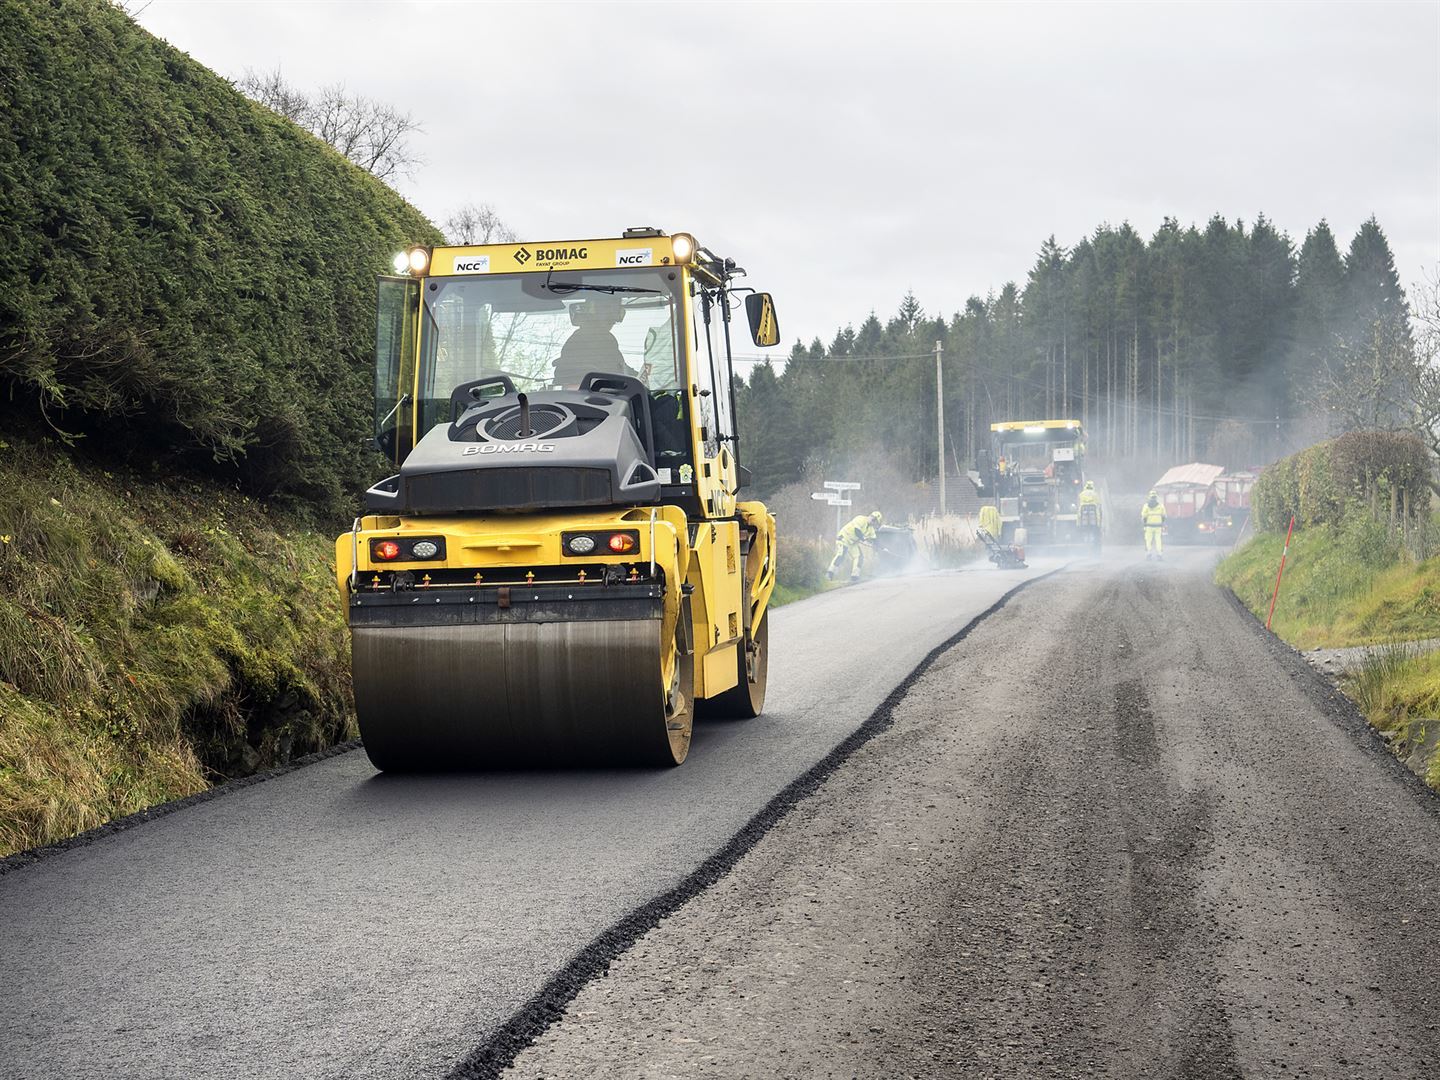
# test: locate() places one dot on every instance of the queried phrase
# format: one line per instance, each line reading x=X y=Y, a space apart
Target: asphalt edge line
x=1338 y=709
x=21 y=859
x=547 y=1007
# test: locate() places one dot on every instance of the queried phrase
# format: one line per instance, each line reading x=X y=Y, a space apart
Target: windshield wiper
x=580 y=286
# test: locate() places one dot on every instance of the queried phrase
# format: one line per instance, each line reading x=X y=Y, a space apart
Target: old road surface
x=1117 y=831
x=1114 y=830
x=332 y=922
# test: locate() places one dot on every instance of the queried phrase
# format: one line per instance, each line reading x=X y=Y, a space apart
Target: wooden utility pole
x=940 y=422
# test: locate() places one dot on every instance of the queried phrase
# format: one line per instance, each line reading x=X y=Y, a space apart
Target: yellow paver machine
x=560 y=571
x=1033 y=475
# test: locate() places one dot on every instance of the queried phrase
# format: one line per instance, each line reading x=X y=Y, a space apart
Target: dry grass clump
x=947 y=542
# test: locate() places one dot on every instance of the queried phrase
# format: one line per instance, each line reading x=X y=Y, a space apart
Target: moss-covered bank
x=156 y=635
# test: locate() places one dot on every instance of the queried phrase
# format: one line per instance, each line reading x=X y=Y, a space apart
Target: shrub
x=1387 y=472
x=180 y=268
x=799 y=568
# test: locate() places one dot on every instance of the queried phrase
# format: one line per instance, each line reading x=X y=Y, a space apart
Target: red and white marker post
x=1276 y=594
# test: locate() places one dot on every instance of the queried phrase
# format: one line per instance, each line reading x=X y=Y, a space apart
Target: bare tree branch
x=132 y=8
x=270 y=89
x=371 y=133
x=1427 y=356
x=1386 y=379
x=477 y=223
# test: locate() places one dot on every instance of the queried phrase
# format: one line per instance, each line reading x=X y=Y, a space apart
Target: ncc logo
x=522 y=256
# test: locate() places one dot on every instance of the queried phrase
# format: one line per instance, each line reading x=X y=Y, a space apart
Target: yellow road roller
x=560 y=570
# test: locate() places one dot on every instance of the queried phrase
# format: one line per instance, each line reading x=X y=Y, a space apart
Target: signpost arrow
x=835 y=497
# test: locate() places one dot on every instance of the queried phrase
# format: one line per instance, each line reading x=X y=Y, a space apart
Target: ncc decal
x=634 y=256
x=509 y=448
x=472 y=264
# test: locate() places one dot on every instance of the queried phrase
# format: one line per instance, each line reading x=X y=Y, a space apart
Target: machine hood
x=526 y=452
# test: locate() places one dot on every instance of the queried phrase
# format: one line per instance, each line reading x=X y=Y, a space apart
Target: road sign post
x=940 y=422
x=836 y=497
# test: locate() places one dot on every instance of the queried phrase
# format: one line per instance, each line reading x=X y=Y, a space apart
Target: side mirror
x=742 y=478
x=764 y=326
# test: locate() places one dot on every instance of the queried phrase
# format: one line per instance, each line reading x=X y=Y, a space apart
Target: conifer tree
x=1319 y=309
x=1168 y=349
x=1372 y=287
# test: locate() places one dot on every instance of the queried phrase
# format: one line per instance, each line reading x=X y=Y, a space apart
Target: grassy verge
x=155 y=636
x=1348 y=585
x=800 y=571
x=1344 y=585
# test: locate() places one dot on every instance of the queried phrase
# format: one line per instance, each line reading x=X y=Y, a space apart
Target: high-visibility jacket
x=858 y=530
x=1090 y=497
x=1152 y=517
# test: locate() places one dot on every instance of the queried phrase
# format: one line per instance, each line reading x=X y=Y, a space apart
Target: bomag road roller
x=560 y=571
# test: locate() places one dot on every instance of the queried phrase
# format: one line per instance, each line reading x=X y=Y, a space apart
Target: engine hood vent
x=517 y=452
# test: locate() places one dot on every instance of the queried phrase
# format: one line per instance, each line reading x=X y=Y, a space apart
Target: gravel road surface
x=1117 y=831
x=336 y=923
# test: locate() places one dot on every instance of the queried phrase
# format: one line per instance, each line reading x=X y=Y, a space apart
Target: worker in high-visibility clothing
x=1152 y=516
x=1089 y=497
x=857 y=534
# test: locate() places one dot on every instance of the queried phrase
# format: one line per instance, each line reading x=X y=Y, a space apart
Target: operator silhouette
x=592 y=347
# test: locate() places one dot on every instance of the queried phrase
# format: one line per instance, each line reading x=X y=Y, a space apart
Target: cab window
x=546 y=331
x=704 y=369
x=395 y=366
x=720 y=363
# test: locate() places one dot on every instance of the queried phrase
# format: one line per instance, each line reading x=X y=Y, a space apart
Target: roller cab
x=559 y=569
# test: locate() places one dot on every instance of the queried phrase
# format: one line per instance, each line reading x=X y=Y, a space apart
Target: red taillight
x=622 y=542
x=386 y=550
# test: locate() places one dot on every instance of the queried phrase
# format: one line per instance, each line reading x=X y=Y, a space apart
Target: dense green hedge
x=1380 y=469
x=179 y=267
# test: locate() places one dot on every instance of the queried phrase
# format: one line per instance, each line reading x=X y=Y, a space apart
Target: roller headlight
x=401 y=262
x=418 y=260
x=425 y=549
x=581 y=545
x=683 y=246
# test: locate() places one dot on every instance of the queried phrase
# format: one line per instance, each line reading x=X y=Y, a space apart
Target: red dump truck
x=1232 y=504
x=1204 y=503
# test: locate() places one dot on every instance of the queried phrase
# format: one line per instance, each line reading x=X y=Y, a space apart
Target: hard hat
x=875 y=515
x=1089 y=485
x=597 y=309
x=1154 y=494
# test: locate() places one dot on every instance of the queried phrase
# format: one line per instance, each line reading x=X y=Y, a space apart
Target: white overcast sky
x=845 y=153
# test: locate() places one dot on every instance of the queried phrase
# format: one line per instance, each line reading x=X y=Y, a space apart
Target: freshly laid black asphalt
x=332 y=922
